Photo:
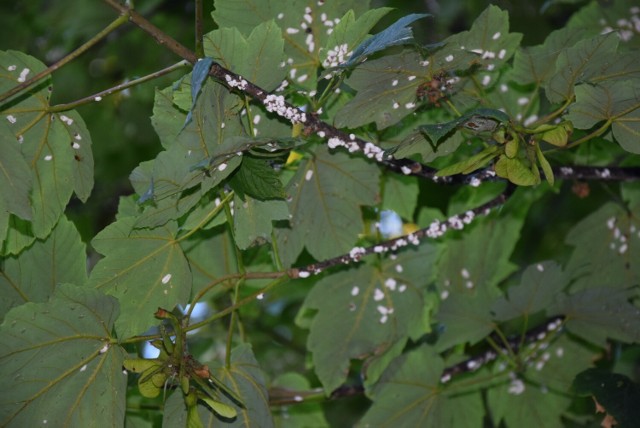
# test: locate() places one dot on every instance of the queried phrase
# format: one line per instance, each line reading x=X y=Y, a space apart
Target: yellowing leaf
x=222 y=409
x=515 y=171
x=139 y=365
x=152 y=381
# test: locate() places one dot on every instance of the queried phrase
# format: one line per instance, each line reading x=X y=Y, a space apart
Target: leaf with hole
x=617 y=393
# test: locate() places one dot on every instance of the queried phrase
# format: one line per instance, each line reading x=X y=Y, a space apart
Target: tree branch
x=539 y=334
x=435 y=230
x=335 y=137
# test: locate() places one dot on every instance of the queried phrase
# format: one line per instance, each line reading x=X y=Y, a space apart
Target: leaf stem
x=70 y=57
x=205 y=220
x=283 y=278
x=232 y=323
x=553 y=114
x=100 y=95
x=276 y=253
x=328 y=90
x=601 y=130
x=208 y=288
x=160 y=36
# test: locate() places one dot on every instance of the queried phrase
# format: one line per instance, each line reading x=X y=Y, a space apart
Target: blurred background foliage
x=120 y=125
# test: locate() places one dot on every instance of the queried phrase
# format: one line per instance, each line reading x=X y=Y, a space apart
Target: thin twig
x=73 y=55
x=102 y=94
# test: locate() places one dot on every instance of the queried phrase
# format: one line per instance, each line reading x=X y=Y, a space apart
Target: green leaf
x=152 y=381
x=171 y=187
x=256 y=58
x=617 y=393
x=245 y=378
x=553 y=365
x=409 y=394
x=489 y=43
x=401 y=195
x=617 y=102
x=536 y=64
x=538 y=395
x=15 y=180
x=174 y=178
x=516 y=171
x=470 y=269
x=387 y=87
x=253 y=220
x=167 y=120
x=480 y=257
x=258 y=179
x=539 y=286
x=177 y=415
x=555 y=134
x=471 y=164
x=350 y=32
x=34 y=274
x=198 y=77
x=211 y=254
x=599 y=18
x=398 y=33
x=144 y=268
x=222 y=409
x=597 y=314
x=545 y=165
x=606 y=245
x=140 y=365
x=200 y=215
x=56 y=147
x=326 y=193
x=292 y=17
x=465 y=317
x=303 y=414
x=364 y=311
x=580 y=63
x=57 y=357
x=386 y=91
x=490 y=33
